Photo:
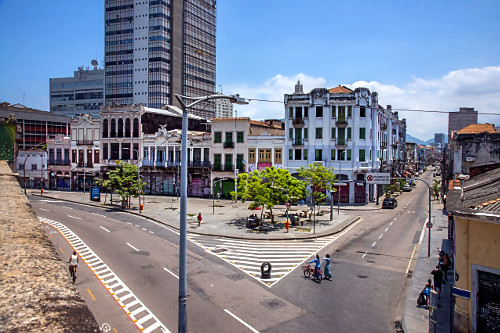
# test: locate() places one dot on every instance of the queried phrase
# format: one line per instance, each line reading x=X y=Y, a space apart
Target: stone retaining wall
x=36 y=293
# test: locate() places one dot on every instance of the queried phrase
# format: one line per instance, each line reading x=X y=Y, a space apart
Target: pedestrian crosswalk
x=249 y=255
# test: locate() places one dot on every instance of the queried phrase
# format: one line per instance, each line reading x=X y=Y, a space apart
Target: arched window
x=105 y=128
x=127 y=128
x=120 y=128
x=135 y=133
x=112 y=133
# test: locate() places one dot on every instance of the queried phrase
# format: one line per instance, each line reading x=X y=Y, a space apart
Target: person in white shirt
x=73 y=264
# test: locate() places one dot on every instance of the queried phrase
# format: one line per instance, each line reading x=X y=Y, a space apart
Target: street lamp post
x=182 y=316
x=342 y=153
x=429 y=221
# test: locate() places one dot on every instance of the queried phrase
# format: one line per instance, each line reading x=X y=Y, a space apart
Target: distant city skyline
x=419 y=56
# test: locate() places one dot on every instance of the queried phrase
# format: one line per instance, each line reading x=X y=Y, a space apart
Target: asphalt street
x=372 y=263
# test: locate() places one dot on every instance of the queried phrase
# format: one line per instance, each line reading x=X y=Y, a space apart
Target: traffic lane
x=106 y=311
x=151 y=281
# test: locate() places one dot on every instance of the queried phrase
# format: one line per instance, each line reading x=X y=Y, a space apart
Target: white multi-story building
x=81 y=94
x=59 y=162
x=32 y=168
x=344 y=129
x=223 y=108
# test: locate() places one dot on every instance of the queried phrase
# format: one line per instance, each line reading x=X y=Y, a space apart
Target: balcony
x=229 y=167
x=217 y=167
x=85 y=142
x=228 y=144
x=341 y=143
x=58 y=162
x=298 y=122
x=199 y=163
x=298 y=142
x=341 y=123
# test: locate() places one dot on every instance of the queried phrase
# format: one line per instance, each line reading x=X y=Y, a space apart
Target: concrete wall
x=36 y=293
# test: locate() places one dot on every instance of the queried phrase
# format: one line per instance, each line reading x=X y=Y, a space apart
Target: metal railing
x=228 y=144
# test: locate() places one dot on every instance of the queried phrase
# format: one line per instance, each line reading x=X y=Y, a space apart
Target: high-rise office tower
x=155 y=49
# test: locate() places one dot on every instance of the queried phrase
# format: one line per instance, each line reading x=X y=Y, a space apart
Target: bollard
x=41 y=191
x=265 y=270
x=142 y=207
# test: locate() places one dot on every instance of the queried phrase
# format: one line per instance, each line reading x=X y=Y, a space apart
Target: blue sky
x=431 y=55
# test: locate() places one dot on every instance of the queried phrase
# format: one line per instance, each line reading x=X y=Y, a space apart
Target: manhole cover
x=363 y=276
x=273 y=304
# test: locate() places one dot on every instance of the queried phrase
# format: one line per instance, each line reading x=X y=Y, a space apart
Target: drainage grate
x=398 y=326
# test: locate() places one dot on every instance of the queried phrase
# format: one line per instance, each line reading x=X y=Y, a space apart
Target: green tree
x=320 y=179
x=124 y=180
x=267 y=188
x=436 y=188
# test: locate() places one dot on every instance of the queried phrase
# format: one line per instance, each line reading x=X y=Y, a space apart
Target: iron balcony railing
x=228 y=144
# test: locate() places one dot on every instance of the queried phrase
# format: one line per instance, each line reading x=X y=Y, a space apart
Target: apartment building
x=347 y=130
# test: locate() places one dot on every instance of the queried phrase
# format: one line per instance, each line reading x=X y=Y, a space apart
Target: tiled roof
x=477 y=128
x=339 y=90
x=482 y=192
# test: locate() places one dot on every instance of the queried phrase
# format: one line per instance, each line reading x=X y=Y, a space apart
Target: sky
x=418 y=54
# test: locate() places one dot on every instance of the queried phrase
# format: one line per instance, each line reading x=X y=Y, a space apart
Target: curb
x=341 y=227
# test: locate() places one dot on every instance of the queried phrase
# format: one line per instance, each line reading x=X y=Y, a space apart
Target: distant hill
x=410 y=138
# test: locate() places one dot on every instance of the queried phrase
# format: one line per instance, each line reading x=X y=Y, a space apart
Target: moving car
x=389 y=203
x=407 y=188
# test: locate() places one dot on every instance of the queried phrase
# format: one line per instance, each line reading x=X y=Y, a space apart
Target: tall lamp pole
x=182 y=316
x=429 y=221
x=340 y=174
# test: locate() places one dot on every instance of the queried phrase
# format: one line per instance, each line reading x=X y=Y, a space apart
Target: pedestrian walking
x=438 y=280
x=199 y=219
x=327 y=273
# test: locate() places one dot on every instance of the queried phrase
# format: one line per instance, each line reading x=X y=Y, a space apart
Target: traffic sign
x=429 y=225
x=378 y=178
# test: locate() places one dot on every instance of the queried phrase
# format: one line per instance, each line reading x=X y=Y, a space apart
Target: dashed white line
x=380 y=236
x=391 y=223
x=132 y=247
x=104 y=228
x=241 y=321
x=386 y=229
x=98 y=214
x=171 y=273
x=67 y=207
x=144 y=229
x=45 y=210
x=75 y=217
x=374 y=244
x=364 y=255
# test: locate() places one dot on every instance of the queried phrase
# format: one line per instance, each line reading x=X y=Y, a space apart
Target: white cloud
x=472 y=87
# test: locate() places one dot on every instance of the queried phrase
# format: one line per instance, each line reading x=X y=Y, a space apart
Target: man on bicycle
x=317 y=268
x=73 y=264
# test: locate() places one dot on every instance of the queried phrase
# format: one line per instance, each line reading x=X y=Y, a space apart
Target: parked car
x=389 y=203
x=407 y=188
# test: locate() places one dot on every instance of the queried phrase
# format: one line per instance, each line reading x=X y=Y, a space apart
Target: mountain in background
x=410 y=138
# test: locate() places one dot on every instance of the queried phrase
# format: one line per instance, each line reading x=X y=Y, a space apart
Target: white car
x=407 y=188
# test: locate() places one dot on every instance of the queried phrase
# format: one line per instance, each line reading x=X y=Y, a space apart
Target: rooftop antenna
x=94 y=63
x=220 y=87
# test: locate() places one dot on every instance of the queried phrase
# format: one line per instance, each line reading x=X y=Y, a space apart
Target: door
x=359 y=193
x=488 y=303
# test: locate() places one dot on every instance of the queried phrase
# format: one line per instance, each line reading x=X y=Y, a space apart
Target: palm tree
x=436 y=188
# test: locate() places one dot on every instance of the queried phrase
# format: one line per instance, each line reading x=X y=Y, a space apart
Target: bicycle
x=72 y=272
x=308 y=271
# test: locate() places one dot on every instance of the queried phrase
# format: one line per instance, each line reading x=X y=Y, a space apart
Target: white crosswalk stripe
x=248 y=255
x=108 y=278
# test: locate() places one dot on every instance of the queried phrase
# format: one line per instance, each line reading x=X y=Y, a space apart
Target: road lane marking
x=153 y=323
x=171 y=273
x=98 y=214
x=241 y=321
x=93 y=298
x=133 y=247
x=75 y=217
x=104 y=228
x=386 y=229
x=380 y=236
x=374 y=244
x=61 y=250
x=45 y=210
x=422 y=234
x=364 y=255
x=67 y=207
x=391 y=223
x=411 y=258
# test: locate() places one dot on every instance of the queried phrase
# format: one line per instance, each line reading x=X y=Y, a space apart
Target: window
x=361 y=155
x=105 y=128
x=349 y=133
x=290 y=112
x=127 y=128
x=51 y=155
x=34 y=167
x=104 y=151
x=340 y=154
x=229 y=137
x=120 y=128
x=217 y=162
x=113 y=129
x=135 y=129
x=135 y=151
x=66 y=155
x=290 y=133
x=239 y=137
x=334 y=111
x=348 y=154
x=341 y=113
x=349 y=111
x=115 y=151
x=319 y=111
x=290 y=154
x=228 y=162
x=362 y=133
x=334 y=133
x=362 y=111
x=306 y=133
x=306 y=112
x=125 y=151
x=298 y=112
x=319 y=133
x=341 y=136
x=239 y=162
x=96 y=156
x=318 y=154
x=277 y=156
x=332 y=155
x=217 y=137
x=251 y=155
x=265 y=156
x=73 y=156
x=305 y=155
x=298 y=154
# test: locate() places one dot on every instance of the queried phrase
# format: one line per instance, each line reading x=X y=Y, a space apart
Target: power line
x=394 y=109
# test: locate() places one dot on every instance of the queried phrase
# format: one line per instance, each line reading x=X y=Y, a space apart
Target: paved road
x=137 y=259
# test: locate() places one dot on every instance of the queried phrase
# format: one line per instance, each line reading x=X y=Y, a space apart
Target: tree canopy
x=124 y=180
x=320 y=179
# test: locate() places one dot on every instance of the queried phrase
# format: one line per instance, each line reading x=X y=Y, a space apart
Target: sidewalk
x=416 y=318
x=224 y=217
